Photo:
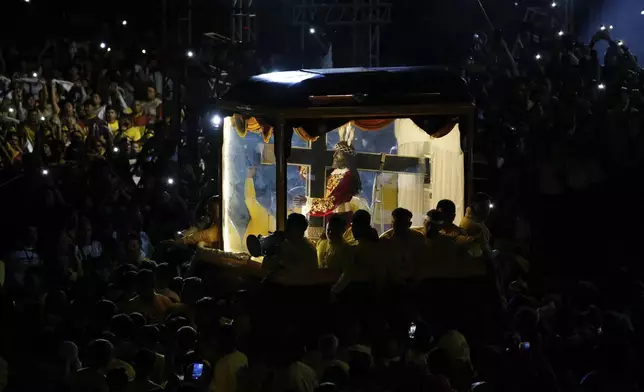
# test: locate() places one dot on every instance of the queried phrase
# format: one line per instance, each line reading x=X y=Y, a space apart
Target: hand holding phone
x=412 y=331
x=197 y=370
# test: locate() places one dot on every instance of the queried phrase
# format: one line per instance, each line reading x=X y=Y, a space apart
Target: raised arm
x=55 y=99
x=44 y=95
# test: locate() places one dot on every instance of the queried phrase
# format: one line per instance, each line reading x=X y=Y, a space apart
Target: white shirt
x=20 y=261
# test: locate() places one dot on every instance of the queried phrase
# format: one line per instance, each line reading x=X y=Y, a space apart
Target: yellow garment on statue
x=261 y=221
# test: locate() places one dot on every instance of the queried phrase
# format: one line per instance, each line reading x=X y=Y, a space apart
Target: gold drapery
x=304 y=135
x=243 y=125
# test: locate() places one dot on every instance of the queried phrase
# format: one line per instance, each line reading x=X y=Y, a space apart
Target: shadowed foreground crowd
x=89 y=304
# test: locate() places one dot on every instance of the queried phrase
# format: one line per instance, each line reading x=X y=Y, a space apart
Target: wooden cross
x=319 y=160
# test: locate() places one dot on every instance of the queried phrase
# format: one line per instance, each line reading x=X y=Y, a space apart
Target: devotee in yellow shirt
x=333 y=252
x=336 y=255
x=112 y=120
x=152 y=305
x=133 y=133
x=209 y=236
x=228 y=367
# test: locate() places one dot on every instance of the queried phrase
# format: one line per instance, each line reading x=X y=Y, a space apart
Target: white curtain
x=447 y=170
x=412 y=142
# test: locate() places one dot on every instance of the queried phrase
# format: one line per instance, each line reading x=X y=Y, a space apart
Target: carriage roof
x=350 y=93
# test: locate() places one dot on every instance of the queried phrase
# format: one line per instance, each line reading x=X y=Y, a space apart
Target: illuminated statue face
x=339 y=160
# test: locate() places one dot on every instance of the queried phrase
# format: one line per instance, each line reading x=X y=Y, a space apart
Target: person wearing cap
x=341 y=186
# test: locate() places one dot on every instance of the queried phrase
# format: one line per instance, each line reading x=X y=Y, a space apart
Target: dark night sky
x=423 y=31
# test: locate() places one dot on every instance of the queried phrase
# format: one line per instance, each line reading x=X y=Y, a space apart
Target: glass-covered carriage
x=404 y=137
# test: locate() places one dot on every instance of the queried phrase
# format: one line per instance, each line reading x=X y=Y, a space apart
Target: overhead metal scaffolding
x=365 y=17
x=243 y=22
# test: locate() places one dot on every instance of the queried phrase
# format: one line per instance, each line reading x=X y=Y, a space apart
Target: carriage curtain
x=447 y=166
x=243 y=125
